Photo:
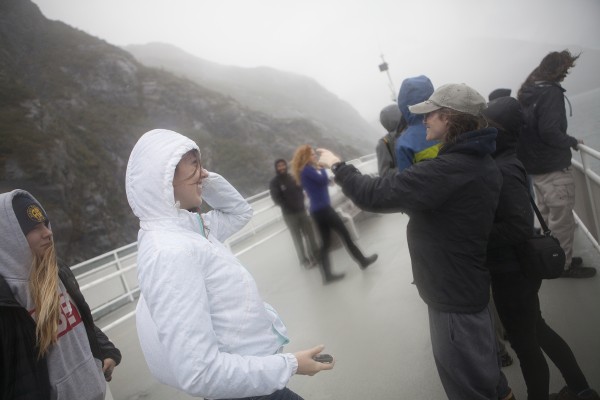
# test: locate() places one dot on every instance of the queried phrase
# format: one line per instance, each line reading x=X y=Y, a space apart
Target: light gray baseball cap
x=456 y=96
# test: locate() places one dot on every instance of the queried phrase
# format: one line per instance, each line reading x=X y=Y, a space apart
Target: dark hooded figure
x=515 y=295
x=394 y=123
x=290 y=197
x=545 y=151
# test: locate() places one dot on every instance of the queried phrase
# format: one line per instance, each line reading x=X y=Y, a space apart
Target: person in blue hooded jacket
x=412 y=146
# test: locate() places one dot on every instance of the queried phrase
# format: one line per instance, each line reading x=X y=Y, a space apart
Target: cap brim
x=423 y=108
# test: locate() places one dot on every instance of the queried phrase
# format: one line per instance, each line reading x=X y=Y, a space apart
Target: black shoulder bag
x=541 y=256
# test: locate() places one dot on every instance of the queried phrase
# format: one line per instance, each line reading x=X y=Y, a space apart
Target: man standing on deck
x=290 y=197
x=545 y=151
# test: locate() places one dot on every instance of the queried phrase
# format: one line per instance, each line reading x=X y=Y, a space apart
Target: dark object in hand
x=323 y=358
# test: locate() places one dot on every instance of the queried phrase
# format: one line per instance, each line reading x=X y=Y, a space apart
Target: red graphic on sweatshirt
x=69 y=316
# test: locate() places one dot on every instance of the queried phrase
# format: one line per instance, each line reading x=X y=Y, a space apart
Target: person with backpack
x=451 y=200
x=545 y=150
x=392 y=120
x=514 y=293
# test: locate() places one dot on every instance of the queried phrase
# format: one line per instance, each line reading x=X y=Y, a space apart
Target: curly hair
x=459 y=122
x=301 y=157
x=43 y=284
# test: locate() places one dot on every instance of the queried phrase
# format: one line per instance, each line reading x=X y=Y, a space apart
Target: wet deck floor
x=373 y=322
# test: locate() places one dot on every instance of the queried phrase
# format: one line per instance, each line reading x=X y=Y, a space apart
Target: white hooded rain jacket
x=202 y=325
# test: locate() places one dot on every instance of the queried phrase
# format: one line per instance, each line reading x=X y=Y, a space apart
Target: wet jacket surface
x=451 y=201
x=202 y=325
x=544 y=145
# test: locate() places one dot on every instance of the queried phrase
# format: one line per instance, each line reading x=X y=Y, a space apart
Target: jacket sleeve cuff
x=292 y=362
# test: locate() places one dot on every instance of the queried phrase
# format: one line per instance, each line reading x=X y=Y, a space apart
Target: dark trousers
x=518 y=305
x=283 y=394
x=327 y=220
x=301 y=230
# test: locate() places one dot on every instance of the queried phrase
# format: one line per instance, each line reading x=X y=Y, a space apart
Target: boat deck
x=373 y=321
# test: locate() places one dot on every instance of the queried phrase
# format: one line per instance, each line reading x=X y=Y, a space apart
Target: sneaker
x=368 y=261
x=506 y=360
x=579 y=272
x=567 y=394
x=576 y=262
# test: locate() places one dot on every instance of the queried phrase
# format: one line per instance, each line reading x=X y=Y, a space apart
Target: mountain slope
x=277 y=93
x=72 y=107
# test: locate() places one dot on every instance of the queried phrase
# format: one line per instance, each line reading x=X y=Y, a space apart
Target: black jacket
x=287 y=194
x=22 y=375
x=544 y=145
x=451 y=201
x=513 y=221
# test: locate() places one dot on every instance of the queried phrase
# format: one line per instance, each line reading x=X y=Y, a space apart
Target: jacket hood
x=479 y=142
x=506 y=112
x=390 y=117
x=15 y=255
x=150 y=173
x=413 y=91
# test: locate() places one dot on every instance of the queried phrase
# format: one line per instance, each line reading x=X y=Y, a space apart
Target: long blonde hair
x=302 y=156
x=43 y=285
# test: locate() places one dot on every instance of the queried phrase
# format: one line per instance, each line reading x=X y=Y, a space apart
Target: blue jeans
x=283 y=394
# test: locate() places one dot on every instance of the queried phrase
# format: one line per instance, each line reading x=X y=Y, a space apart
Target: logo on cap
x=35 y=213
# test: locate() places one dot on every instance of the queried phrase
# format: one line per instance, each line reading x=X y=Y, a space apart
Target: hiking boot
x=368 y=261
x=567 y=394
x=332 y=278
x=506 y=360
x=578 y=272
x=576 y=262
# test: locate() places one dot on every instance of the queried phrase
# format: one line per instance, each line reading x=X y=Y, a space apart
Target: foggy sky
x=339 y=42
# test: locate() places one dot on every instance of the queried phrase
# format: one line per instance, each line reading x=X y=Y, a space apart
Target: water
x=585 y=123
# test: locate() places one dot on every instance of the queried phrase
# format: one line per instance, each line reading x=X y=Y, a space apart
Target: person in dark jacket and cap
x=288 y=195
x=451 y=200
x=50 y=347
x=516 y=295
x=545 y=151
x=394 y=123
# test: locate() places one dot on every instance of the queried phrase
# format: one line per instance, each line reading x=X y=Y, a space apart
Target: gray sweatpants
x=466 y=355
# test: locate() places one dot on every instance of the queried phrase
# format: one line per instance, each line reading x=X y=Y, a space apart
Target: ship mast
x=384 y=67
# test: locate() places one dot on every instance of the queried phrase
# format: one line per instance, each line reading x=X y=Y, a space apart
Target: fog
x=484 y=43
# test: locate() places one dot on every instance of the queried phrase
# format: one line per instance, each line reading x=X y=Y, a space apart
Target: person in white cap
x=451 y=201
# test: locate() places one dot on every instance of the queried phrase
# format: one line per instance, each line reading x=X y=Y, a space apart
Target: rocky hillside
x=72 y=107
x=277 y=93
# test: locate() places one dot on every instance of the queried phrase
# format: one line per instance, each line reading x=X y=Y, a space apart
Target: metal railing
x=109 y=281
x=587 y=199
x=97 y=276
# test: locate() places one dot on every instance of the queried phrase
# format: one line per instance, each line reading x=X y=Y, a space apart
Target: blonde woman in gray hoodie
x=49 y=347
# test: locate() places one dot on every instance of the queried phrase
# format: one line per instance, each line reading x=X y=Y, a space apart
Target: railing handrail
x=240 y=236
x=114 y=257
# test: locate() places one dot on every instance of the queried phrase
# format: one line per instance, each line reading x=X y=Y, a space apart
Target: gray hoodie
x=74 y=373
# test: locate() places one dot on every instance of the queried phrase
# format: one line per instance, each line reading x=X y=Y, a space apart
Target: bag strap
x=545 y=228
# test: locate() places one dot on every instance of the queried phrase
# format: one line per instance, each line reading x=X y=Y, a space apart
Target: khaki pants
x=555 y=197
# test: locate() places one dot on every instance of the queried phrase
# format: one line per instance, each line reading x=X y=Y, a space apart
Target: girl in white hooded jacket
x=202 y=324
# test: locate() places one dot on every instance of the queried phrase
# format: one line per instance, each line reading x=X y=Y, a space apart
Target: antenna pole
x=384 y=67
